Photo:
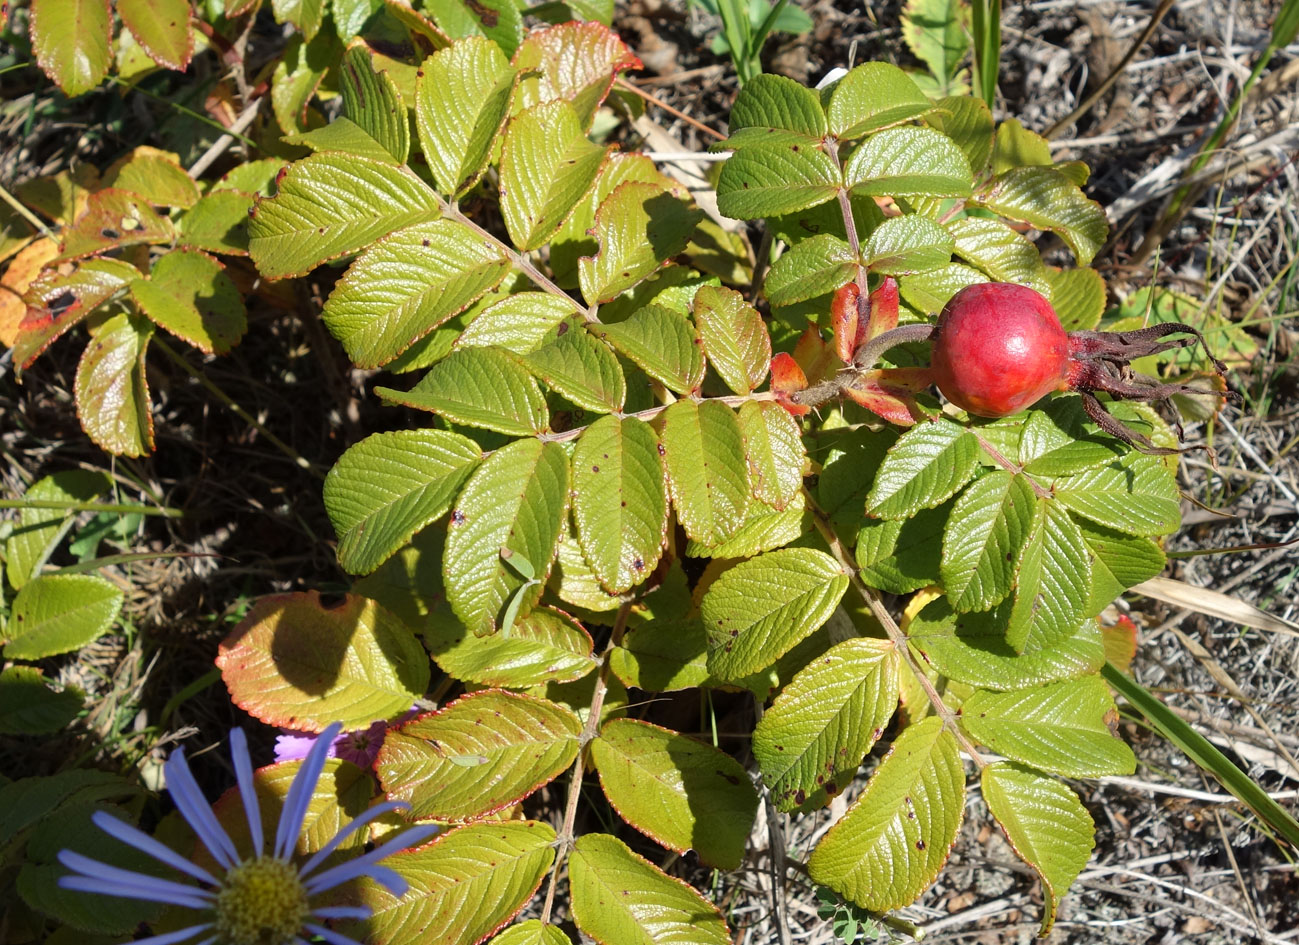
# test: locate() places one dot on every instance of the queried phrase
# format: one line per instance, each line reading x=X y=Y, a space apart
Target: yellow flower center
x=261 y=902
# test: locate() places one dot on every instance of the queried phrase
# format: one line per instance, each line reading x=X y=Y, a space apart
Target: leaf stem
x=831 y=145
x=1011 y=467
x=880 y=612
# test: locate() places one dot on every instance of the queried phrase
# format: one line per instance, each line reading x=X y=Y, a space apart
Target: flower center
x=261 y=902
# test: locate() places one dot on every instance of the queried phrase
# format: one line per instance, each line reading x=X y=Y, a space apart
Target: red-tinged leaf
x=189 y=294
x=57 y=302
x=843 y=317
x=162 y=28
x=294 y=662
x=890 y=397
x=115 y=218
x=814 y=356
x=575 y=62
x=71 y=39
x=786 y=379
x=1120 y=642
x=883 y=311
x=111 y=390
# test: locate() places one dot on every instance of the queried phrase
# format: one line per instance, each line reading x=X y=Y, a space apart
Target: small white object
x=834 y=75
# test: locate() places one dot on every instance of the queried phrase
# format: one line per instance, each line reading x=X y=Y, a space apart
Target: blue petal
x=194 y=808
x=377 y=811
x=244 y=775
x=300 y=792
x=329 y=935
x=171 y=938
x=122 y=890
x=365 y=865
x=146 y=844
x=342 y=912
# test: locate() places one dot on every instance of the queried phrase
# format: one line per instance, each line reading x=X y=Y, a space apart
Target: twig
x=219 y=146
x=27 y=214
x=629 y=87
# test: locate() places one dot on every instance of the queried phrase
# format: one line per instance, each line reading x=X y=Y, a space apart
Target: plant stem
x=1011 y=467
x=863 y=360
x=90 y=507
x=26 y=214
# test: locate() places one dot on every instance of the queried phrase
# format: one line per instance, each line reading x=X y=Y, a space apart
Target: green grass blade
x=764 y=30
x=1198 y=749
x=986 y=28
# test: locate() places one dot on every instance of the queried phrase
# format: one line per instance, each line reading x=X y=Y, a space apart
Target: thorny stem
x=863 y=360
x=565 y=839
x=891 y=627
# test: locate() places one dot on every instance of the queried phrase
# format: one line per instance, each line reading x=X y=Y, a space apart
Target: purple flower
x=360 y=748
x=261 y=899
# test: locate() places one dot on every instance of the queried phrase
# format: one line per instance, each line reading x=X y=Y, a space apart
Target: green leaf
x=153 y=174
x=574 y=582
x=847 y=470
x=773 y=109
x=371 y=100
x=1046 y=824
x=189 y=294
x=546 y=645
x=342 y=134
x=983 y=540
x=306 y=15
x=1078 y=297
x=937 y=33
x=517 y=323
x=111 y=389
x=895 y=838
x=1060 y=727
x=1004 y=255
x=532 y=932
x=409 y=283
x=907 y=162
x=330 y=205
x=811 y=741
x=764 y=529
x=59 y=613
x=161 y=27
x=774 y=179
x=639 y=226
x=872 y=96
x=1016 y=146
x=902 y=556
x=663 y=343
x=584 y=370
x=72 y=42
x=1055 y=442
x=1118 y=562
x=296 y=663
x=498 y=20
x=389 y=486
x=1050 y=574
x=811 y=267
x=619 y=898
x=758 y=610
x=514 y=503
x=479 y=387
x=906 y=244
x=928 y=292
x=481 y=753
x=972 y=648
x=37 y=531
x=1046 y=199
x=463 y=886
x=924 y=468
x=29 y=707
x=1137 y=496
x=662 y=656
x=703 y=449
x=547 y=164
x=967 y=121
x=681 y=793
x=773 y=446
x=734 y=336
x=462 y=97
x=575 y=62
x=619 y=504
x=113 y=219
x=217 y=223
x=297 y=76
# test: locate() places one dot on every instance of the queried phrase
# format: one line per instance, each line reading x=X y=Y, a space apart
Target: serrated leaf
x=71 y=39
x=1118 y=562
x=663 y=343
x=1050 y=571
x=1078 y=297
x=371 y=99
x=811 y=268
x=1046 y=824
x=217 y=223
x=575 y=62
x=479 y=387
x=1137 y=496
x=1044 y=198
x=574 y=582
x=532 y=932
x=162 y=28
x=57 y=302
x=1060 y=727
x=111 y=389
x=463 y=886
x=59 y=613
x=734 y=337
x=758 y=610
x=29 y=707
x=902 y=556
x=662 y=656
x=908 y=162
x=37 y=530
x=681 y=793
x=547 y=164
x=298 y=74
x=928 y=292
x=619 y=898
x=847 y=471
x=773 y=446
x=775 y=179
x=306 y=15
x=703 y=450
x=114 y=218
x=462 y=97
x=968 y=122
x=924 y=468
x=764 y=529
x=772 y=109
x=584 y=370
x=984 y=538
x=330 y=205
x=1004 y=255
x=521 y=743
x=296 y=663
x=893 y=841
x=811 y=741
x=498 y=20
x=547 y=645
x=620 y=506
x=639 y=226
x=872 y=96
x=515 y=503
x=517 y=323
x=409 y=283
x=389 y=486
x=189 y=294
x=154 y=174
x=907 y=244
x=972 y=648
